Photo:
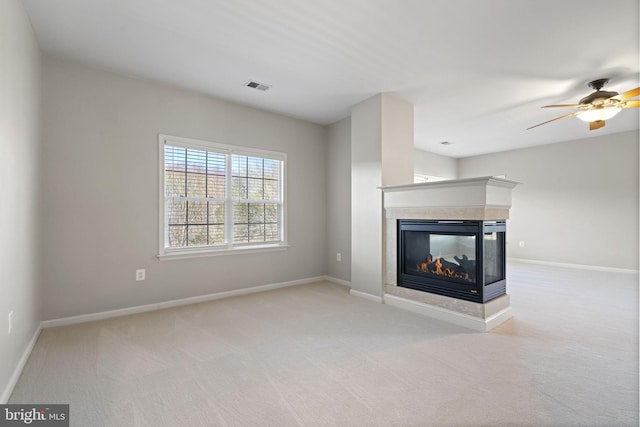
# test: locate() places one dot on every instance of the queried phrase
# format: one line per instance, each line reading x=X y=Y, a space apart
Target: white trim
x=228 y=207
x=439 y=313
x=208 y=145
x=174 y=303
x=13 y=380
x=162 y=214
x=202 y=253
x=498 y=318
x=365 y=295
x=337 y=281
x=481 y=180
x=578 y=266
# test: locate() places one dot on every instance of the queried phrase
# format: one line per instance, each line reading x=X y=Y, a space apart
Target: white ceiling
x=476 y=71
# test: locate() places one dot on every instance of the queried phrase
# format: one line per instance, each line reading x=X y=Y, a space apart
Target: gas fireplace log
x=457 y=269
x=465 y=262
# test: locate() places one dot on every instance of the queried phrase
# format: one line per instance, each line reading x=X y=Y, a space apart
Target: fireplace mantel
x=483 y=198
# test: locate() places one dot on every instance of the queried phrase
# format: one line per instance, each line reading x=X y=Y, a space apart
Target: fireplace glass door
x=493 y=257
x=441 y=256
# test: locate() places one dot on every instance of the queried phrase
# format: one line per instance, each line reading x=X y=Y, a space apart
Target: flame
x=439 y=267
x=435 y=267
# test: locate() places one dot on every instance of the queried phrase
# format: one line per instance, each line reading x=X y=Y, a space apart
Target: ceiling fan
x=599 y=106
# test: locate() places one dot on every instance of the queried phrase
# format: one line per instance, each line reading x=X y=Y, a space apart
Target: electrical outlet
x=10 y=322
x=522 y=243
x=141 y=274
x=339 y=257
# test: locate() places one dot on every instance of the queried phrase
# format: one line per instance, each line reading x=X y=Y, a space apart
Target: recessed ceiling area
x=476 y=71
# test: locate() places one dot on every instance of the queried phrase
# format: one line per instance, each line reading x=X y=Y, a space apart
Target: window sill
x=168 y=256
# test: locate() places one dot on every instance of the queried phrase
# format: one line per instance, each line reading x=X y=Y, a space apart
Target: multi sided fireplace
x=458 y=259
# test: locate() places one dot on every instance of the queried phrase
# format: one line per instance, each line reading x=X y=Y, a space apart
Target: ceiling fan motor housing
x=599 y=94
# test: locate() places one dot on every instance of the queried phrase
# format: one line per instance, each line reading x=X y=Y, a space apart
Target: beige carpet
x=314 y=356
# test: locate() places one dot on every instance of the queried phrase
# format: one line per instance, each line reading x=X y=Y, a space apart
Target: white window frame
x=229 y=247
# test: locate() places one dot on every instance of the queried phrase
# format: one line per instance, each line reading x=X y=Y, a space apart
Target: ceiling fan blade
x=596 y=125
x=557 y=118
x=632 y=104
x=563 y=106
x=628 y=94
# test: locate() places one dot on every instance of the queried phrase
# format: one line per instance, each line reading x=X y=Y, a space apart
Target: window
x=218 y=198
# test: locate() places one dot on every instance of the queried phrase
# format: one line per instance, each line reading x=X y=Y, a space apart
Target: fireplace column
x=381 y=155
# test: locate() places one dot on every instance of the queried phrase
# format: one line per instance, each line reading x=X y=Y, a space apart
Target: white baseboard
x=578 y=266
x=353 y=292
x=365 y=295
x=174 y=303
x=498 y=318
x=460 y=319
x=6 y=394
x=338 y=281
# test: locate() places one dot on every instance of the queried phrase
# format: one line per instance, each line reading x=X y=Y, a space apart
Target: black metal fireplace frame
x=475 y=292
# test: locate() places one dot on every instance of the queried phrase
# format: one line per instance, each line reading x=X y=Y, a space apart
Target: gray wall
x=101 y=191
x=20 y=103
x=432 y=164
x=578 y=203
x=339 y=200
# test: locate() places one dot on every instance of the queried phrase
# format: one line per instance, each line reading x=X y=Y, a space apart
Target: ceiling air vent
x=257 y=85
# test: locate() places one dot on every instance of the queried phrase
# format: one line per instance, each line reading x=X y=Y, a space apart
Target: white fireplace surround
x=482 y=198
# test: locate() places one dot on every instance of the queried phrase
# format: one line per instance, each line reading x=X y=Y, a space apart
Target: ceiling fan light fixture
x=596 y=114
x=599 y=106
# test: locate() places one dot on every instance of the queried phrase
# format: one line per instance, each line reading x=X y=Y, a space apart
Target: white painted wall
x=339 y=199
x=578 y=203
x=366 y=198
x=432 y=164
x=101 y=191
x=397 y=141
x=20 y=149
